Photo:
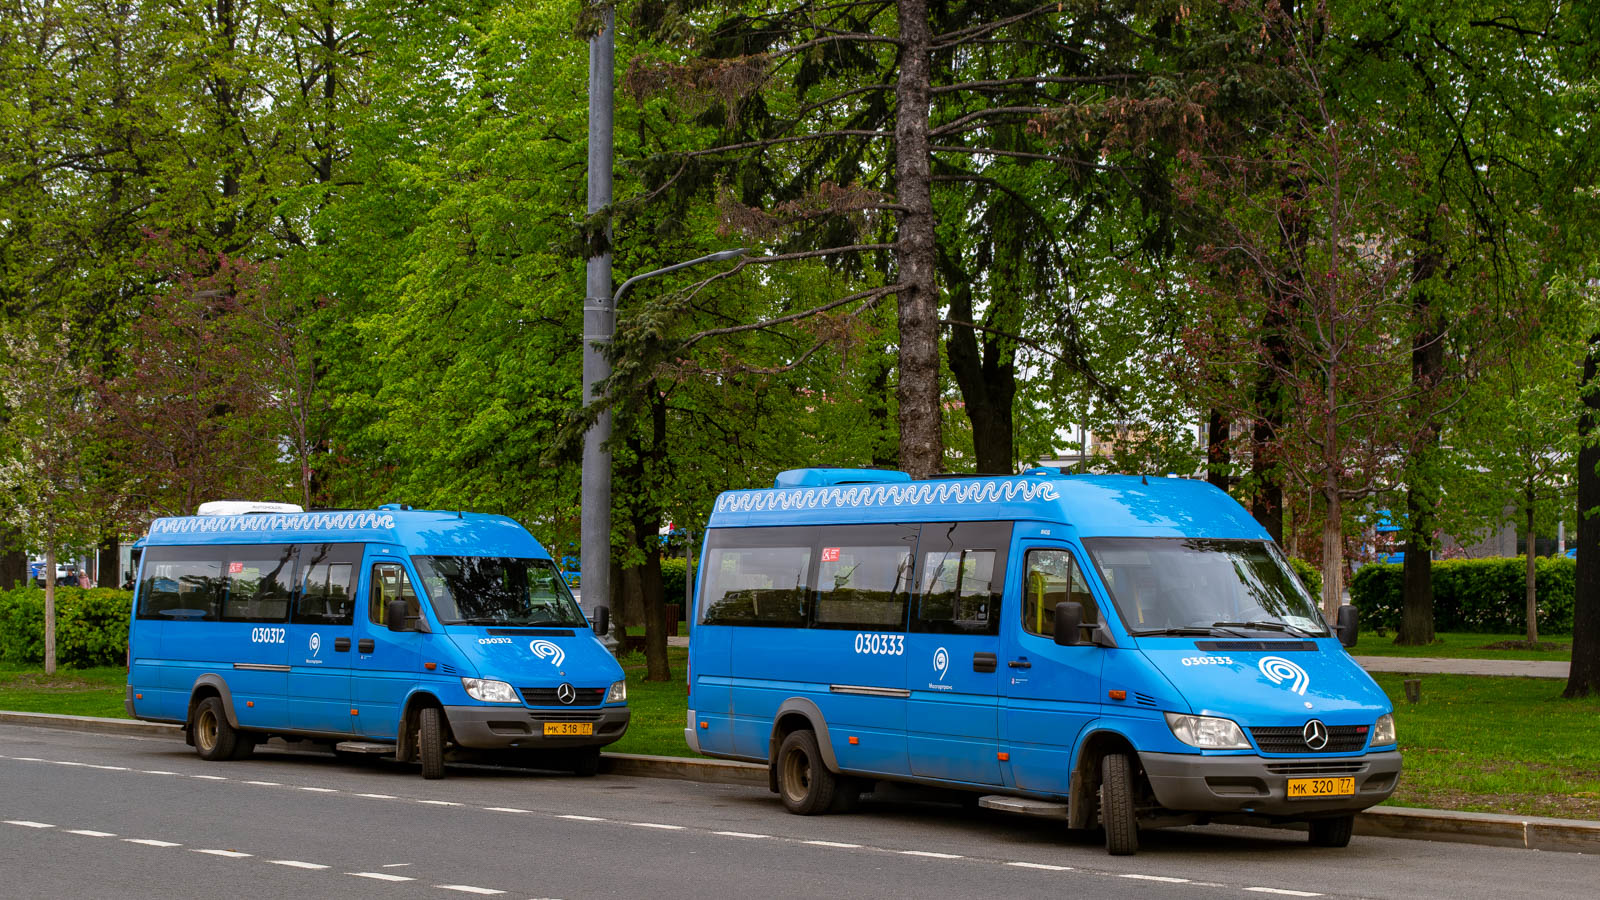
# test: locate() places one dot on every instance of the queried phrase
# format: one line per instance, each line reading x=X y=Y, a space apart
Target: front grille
x=1341 y=739
x=1316 y=769
x=547 y=697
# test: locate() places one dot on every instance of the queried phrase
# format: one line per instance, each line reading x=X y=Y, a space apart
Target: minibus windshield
x=1201 y=586
x=489 y=590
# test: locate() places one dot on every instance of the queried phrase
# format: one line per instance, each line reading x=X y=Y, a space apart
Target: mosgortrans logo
x=547 y=650
x=1280 y=671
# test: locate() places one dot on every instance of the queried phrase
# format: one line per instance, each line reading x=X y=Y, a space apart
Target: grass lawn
x=69 y=692
x=1508 y=745
x=1461 y=645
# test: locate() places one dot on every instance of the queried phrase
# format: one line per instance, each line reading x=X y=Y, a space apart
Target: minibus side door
x=1051 y=691
x=387 y=663
x=321 y=639
x=953 y=652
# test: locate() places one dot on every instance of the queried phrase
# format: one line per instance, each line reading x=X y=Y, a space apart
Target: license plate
x=1309 y=788
x=586 y=728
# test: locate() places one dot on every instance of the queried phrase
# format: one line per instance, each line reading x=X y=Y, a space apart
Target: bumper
x=508 y=727
x=1258 y=785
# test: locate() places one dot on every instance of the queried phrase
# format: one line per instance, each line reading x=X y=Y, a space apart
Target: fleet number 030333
x=884 y=644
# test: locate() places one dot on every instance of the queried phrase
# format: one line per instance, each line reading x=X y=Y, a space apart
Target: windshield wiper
x=1267 y=626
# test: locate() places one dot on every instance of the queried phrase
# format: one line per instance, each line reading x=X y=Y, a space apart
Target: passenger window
x=962 y=573
x=864 y=576
x=178 y=589
x=327 y=593
x=757 y=576
x=258 y=583
x=390 y=582
x=1053 y=576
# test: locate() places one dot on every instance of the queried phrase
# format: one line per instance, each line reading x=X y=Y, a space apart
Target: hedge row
x=1309 y=576
x=91 y=626
x=1486 y=596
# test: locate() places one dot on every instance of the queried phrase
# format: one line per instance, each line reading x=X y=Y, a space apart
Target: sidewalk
x=1427 y=665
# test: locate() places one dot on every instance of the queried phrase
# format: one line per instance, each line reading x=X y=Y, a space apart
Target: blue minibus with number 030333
x=382 y=631
x=1117 y=651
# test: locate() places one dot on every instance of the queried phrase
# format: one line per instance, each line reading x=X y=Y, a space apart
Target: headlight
x=1207 y=733
x=618 y=692
x=1383 y=732
x=490 y=691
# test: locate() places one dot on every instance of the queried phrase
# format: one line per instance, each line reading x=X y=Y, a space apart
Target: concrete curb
x=1489 y=829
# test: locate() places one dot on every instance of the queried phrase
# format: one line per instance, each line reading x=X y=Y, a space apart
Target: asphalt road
x=90 y=816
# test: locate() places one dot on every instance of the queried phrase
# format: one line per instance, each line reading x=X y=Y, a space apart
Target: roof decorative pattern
x=917 y=494
x=268 y=523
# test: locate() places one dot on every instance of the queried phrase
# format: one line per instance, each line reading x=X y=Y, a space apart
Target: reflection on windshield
x=488 y=590
x=1204 y=586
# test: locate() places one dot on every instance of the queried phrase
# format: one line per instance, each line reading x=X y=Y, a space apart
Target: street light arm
x=719 y=256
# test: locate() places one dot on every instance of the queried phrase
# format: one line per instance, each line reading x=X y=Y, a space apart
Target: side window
x=1051 y=577
x=180 y=585
x=756 y=576
x=390 y=582
x=328 y=584
x=864 y=576
x=259 y=580
x=961 y=573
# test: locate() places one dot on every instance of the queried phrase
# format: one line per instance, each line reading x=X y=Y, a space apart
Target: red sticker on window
x=830 y=554
x=235 y=568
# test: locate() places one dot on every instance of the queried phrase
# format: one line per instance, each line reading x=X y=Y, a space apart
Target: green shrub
x=673 y=573
x=1309 y=576
x=91 y=626
x=1485 y=596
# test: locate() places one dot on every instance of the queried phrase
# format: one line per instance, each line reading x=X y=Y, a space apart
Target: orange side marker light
x=249 y=703
x=355 y=712
x=854 y=739
x=705 y=724
x=1003 y=757
x=430 y=666
x=1117 y=695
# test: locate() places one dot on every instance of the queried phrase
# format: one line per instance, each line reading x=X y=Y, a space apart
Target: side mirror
x=395 y=614
x=602 y=620
x=1346 y=629
x=1069 y=620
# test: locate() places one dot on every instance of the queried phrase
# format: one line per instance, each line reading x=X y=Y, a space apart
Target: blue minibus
x=385 y=630
x=1117 y=651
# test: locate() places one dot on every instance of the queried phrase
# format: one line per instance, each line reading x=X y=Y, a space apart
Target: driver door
x=387 y=663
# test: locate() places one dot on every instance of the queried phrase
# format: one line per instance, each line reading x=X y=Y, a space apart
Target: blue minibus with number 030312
x=382 y=631
x=1116 y=651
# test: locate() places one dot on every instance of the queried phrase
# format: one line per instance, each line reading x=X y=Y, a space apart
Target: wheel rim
x=206 y=730
x=796 y=776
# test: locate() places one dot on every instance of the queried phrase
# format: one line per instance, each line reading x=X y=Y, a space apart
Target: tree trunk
x=1532 y=588
x=985 y=373
x=655 y=622
x=1266 y=502
x=108 y=564
x=1332 y=555
x=1583 y=679
x=1416 y=611
x=921 y=441
x=1218 y=457
x=50 y=610
x=13 y=559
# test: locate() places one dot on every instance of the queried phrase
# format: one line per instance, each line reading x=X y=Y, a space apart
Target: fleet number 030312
x=266 y=635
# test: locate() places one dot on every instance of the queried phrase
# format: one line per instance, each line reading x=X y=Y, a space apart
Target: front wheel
x=1334 y=832
x=214 y=738
x=804 y=782
x=1116 y=805
x=430 y=741
x=585 y=762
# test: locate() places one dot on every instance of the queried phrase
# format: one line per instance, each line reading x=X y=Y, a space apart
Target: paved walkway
x=1423 y=665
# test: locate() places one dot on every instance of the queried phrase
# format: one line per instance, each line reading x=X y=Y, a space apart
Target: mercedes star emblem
x=1315 y=733
x=566 y=693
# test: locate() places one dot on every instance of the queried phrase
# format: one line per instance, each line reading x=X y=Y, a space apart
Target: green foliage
x=673 y=573
x=91 y=626
x=1475 y=595
x=1309 y=576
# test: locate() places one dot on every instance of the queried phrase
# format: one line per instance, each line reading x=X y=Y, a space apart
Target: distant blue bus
x=1115 y=651
x=381 y=630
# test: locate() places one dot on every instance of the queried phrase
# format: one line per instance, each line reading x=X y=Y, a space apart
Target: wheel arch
x=405 y=742
x=208 y=685
x=1084 y=786
x=794 y=714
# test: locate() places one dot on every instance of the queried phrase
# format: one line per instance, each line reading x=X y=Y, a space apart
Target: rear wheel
x=804 y=782
x=430 y=741
x=1116 y=805
x=1334 y=832
x=214 y=738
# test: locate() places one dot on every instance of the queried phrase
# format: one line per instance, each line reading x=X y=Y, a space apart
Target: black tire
x=1334 y=832
x=430 y=741
x=585 y=762
x=1116 y=805
x=804 y=782
x=214 y=738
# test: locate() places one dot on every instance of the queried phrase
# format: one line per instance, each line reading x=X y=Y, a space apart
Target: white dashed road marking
x=1044 y=866
x=26 y=824
x=468 y=889
x=266 y=783
x=833 y=844
x=296 y=864
x=439 y=802
x=150 y=843
x=1267 y=890
x=1167 y=878
x=657 y=825
x=381 y=876
x=930 y=854
x=741 y=834
x=378 y=796
x=210 y=777
x=87 y=833
x=510 y=809
x=320 y=790
x=230 y=854
x=582 y=818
